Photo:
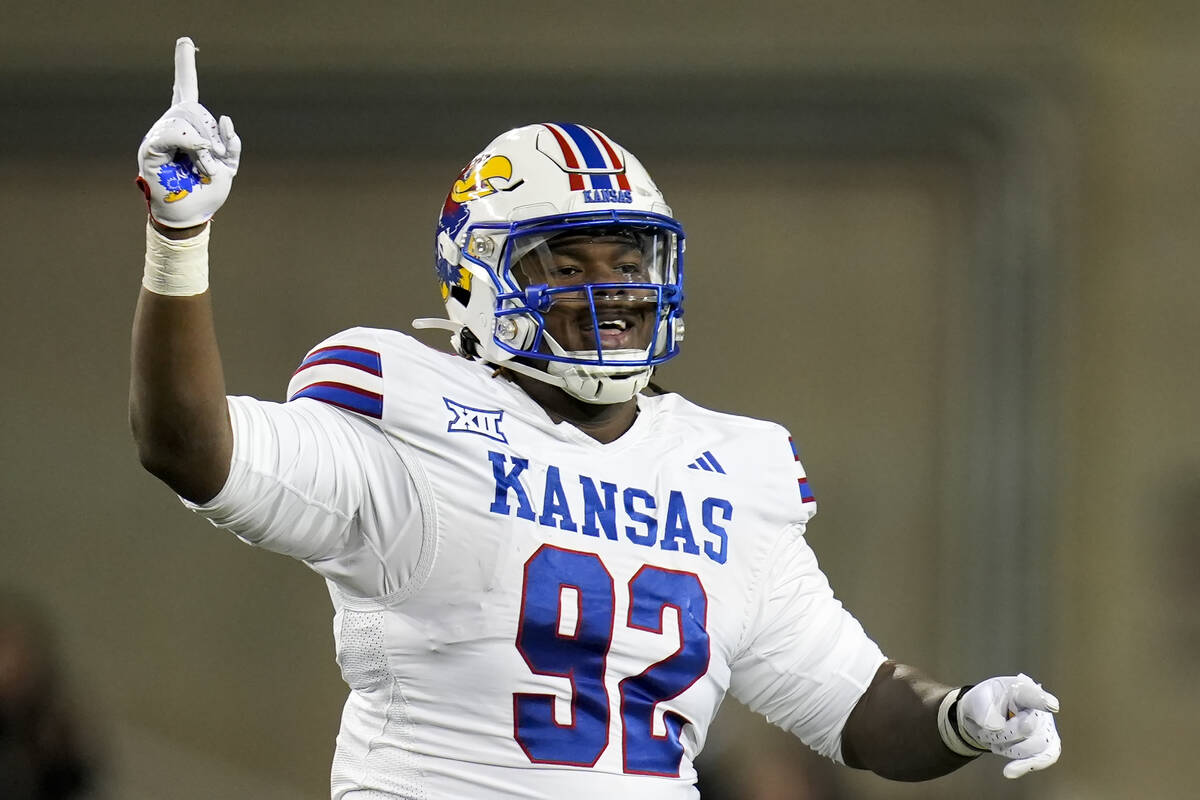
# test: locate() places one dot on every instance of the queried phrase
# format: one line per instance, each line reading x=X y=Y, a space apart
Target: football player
x=545 y=579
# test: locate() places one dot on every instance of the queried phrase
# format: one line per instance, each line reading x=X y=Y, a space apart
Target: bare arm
x=186 y=165
x=893 y=729
x=177 y=406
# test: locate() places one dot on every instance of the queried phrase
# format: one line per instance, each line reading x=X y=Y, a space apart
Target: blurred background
x=951 y=246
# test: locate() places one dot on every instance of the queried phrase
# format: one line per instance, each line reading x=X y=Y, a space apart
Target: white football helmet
x=538 y=195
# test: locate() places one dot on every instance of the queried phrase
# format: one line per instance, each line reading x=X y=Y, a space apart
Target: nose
x=622 y=295
x=611 y=293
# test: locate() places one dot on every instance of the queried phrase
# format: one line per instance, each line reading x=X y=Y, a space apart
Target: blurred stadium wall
x=951 y=245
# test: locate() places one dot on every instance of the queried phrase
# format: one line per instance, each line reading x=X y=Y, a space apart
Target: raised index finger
x=187 y=85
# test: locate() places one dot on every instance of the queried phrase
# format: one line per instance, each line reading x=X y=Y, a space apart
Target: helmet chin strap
x=601 y=385
x=597 y=385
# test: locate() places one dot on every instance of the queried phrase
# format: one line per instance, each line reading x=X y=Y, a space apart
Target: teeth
x=614 y=324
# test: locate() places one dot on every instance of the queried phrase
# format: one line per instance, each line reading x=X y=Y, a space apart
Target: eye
x=629 y=269
x=565 y=272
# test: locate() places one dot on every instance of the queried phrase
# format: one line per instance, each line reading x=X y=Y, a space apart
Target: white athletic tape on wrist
x=949 y=732
x=176 y=267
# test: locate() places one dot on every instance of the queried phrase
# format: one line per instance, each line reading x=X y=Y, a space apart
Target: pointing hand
x=187 y=160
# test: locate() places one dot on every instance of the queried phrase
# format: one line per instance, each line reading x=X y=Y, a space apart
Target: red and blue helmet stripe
x=591 y=158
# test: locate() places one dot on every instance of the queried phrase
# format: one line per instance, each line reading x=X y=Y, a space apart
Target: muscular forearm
x=893 y=729
x=177 y=406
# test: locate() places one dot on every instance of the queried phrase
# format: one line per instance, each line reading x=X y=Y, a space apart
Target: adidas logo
x=707 y=462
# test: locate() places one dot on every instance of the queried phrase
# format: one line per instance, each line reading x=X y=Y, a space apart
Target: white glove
x=1011 y=716
x=187 y=160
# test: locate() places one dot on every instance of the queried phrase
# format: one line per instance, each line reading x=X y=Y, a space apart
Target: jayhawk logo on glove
x=180 y=177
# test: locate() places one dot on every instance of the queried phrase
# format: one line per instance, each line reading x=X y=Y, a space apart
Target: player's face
x=625 y=316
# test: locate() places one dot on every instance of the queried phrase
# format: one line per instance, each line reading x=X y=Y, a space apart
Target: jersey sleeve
x=318 y=480
x=804 y=661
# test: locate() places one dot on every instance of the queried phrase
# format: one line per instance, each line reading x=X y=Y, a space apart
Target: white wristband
x=176 y=267
x=949 y=732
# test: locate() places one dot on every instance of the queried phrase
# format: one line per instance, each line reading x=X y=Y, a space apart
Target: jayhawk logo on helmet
x=483 y=176
x=454 y=216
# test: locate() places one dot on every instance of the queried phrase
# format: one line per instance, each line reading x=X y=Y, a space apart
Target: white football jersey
x=522 y=611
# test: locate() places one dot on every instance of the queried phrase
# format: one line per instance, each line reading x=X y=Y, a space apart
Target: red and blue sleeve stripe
x=344 y=396
x=806 y=494
x=346 y=355
x=343 y=376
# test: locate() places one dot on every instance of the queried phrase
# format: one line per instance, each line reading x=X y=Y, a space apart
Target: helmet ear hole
x=467 y=344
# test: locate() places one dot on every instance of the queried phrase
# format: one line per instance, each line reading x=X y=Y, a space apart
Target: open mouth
x=617 y=331
x=605 y=328
x=613 y=325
